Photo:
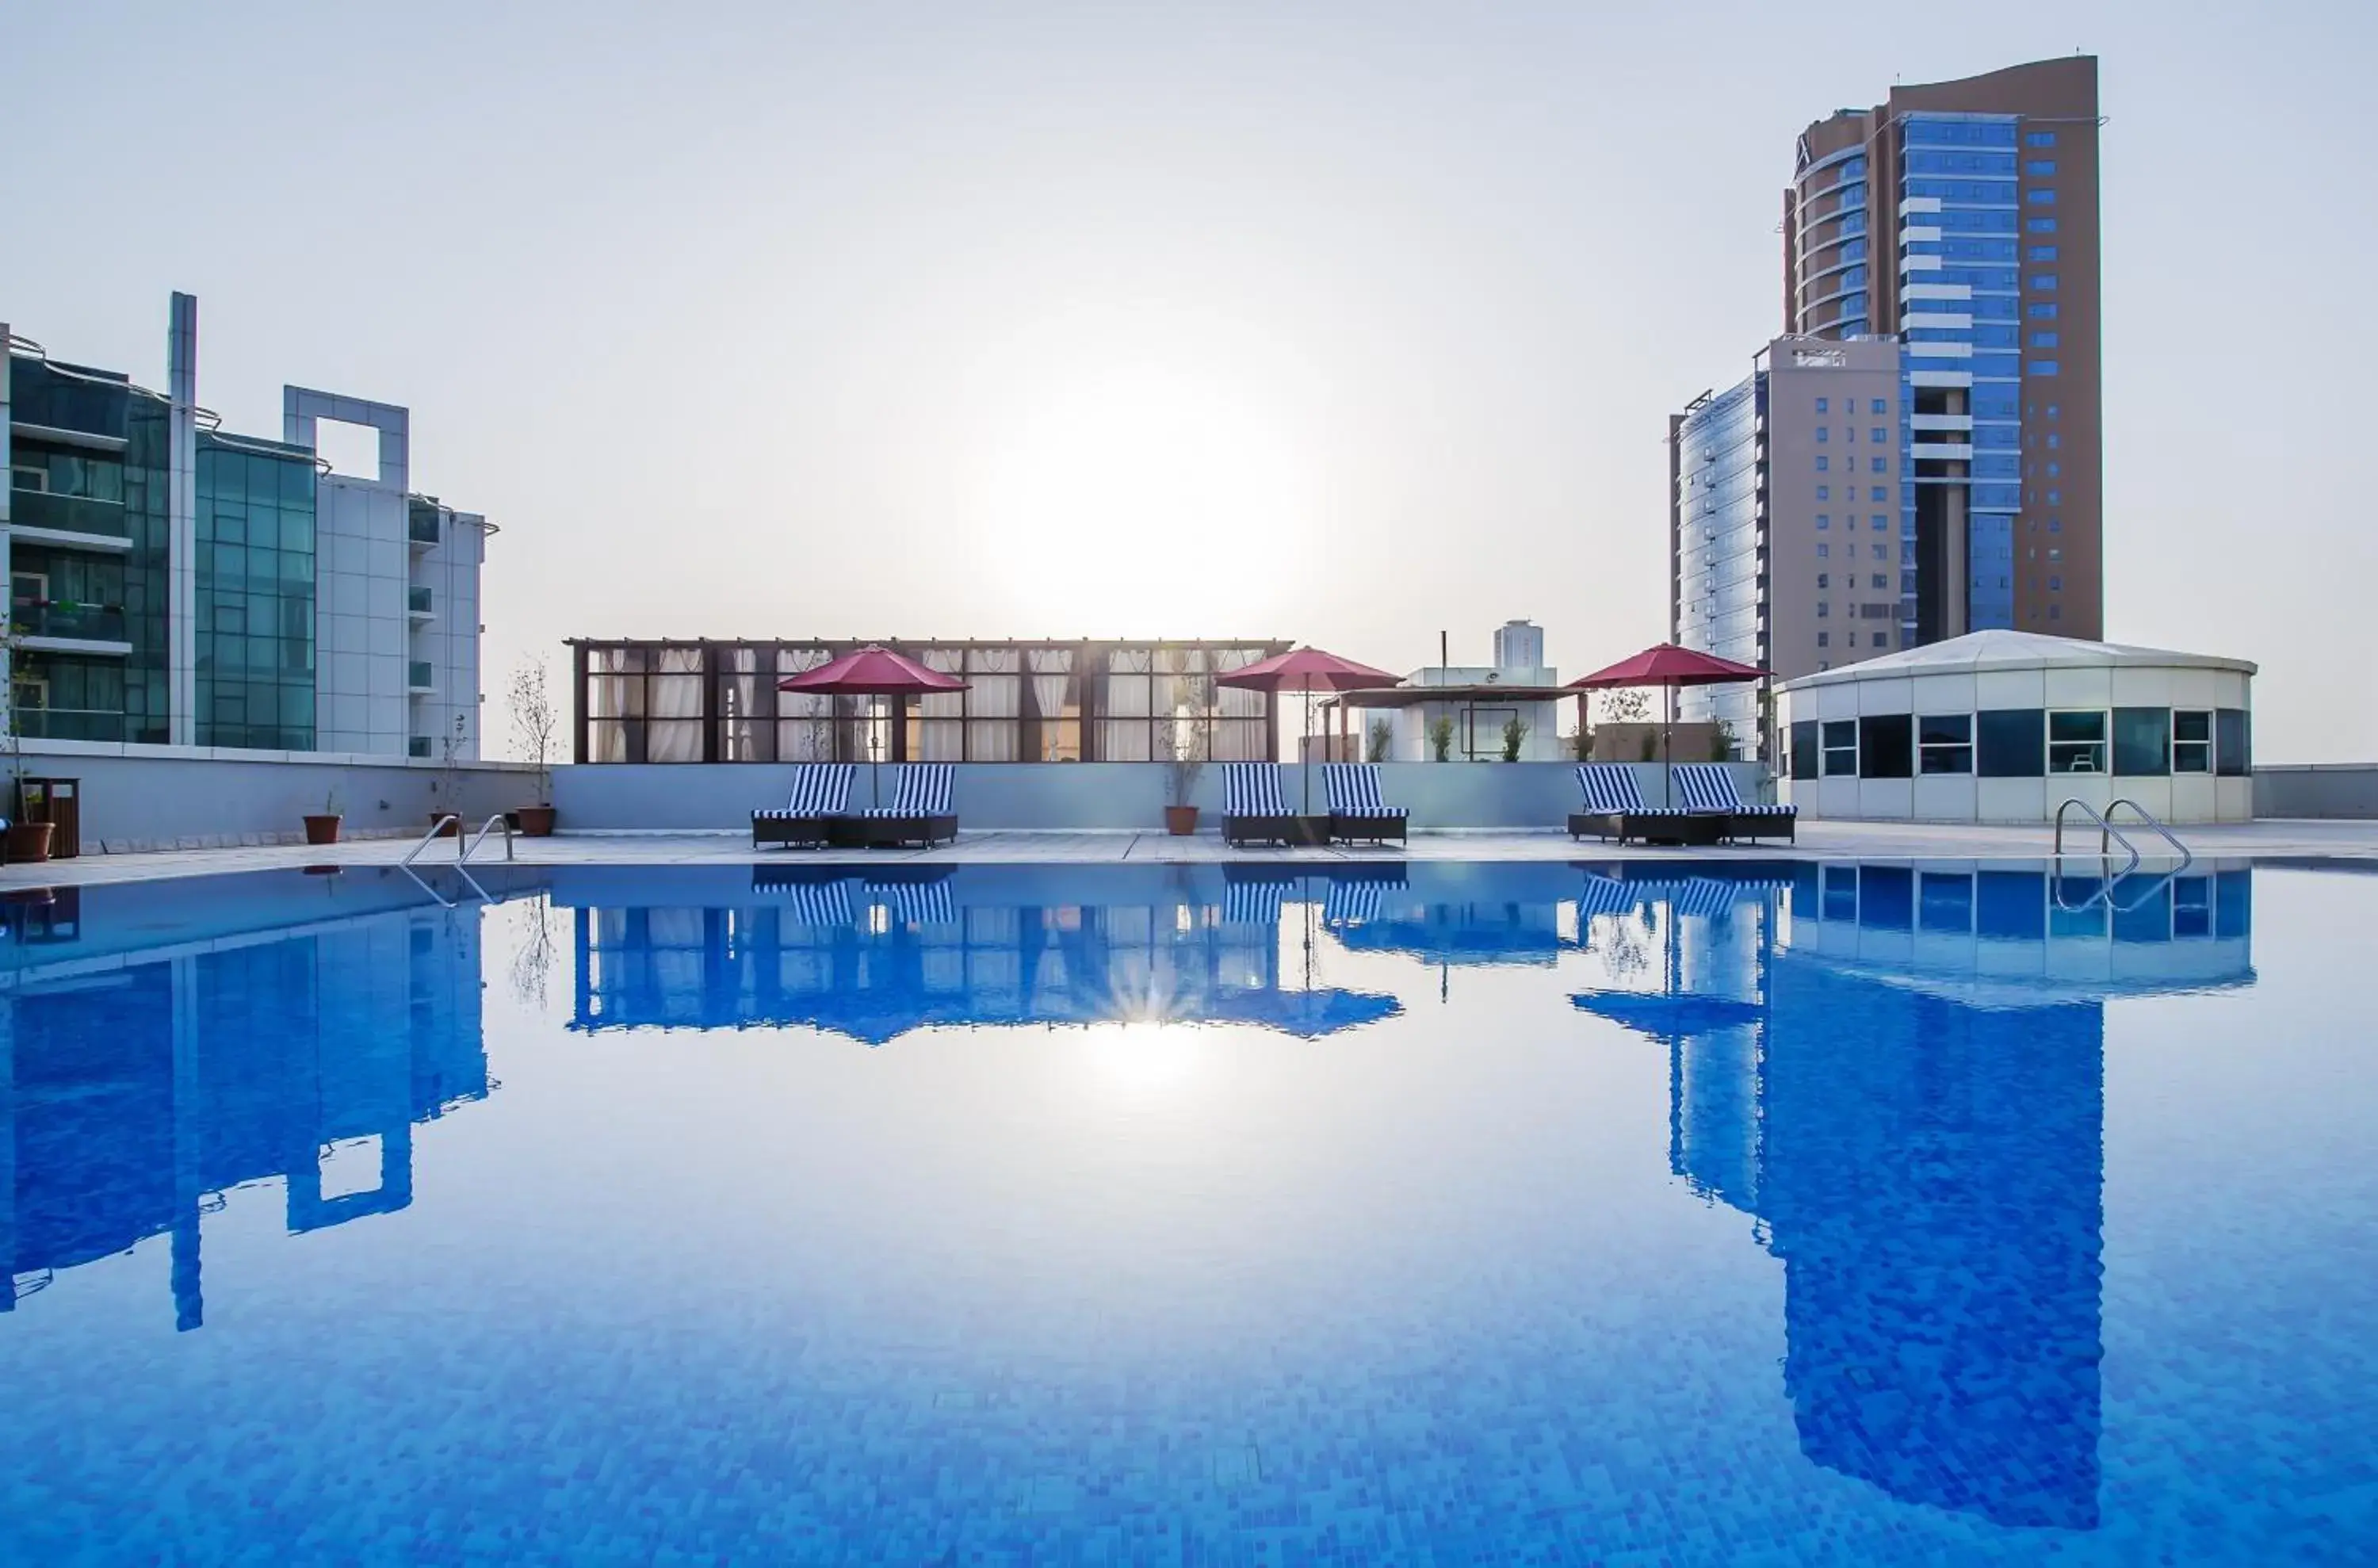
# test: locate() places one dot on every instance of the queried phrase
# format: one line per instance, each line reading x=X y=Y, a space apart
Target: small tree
x=1515 y=735
x=1581 y=745
x=534 y=720
x=1626 y=705
x=1721 y=741
x=450 y=775
x=1183 y=748
x=1440 y=738
x=1383 y=739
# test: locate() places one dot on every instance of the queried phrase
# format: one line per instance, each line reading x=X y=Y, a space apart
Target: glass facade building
x=255 y=593
x=1719 y=536
x=677 y=702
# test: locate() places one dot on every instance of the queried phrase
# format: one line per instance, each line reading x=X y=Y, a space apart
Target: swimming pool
x=1427 y=1213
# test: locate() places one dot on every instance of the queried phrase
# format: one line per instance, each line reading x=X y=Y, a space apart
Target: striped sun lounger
x=1614 y=809
x=913 y=903
x=921 y=812
x=1249 y=901
x=1708 y=787
x=1253 y=811
x=821 y=792
x=1356 y=807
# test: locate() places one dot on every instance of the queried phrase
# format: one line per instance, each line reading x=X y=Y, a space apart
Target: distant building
x=1479 y=701
x=1970 y=465
x=172 y=583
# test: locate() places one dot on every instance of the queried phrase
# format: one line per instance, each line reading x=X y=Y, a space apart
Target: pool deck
x=1818 y=840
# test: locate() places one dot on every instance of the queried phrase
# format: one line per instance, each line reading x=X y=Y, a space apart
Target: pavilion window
x=804 y=719
x=994 y=705
x=2076 y=742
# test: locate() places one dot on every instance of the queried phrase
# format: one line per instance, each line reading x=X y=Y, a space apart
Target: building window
x=2043 y=339
x=1882 y=639
x=2076 y=742
x=2055 y=497
x=1823 y=550
x=1879 y=524
x=2142 y=741
x=2007 y=743
x=1824 y=608
x=1821 y=434
x=1824 y=492
x=2040 y=138
x=2232 y=743
x=2039 y=225
x=1820 y=405
x=1877 y=406
x=2054 y=441
x=1840 y=748
x=1824 y=520
x=1885 y=746
x=1880 y=435
x=1822 y=463
x=1824 y=639
x=2192 y=740
x=2056 y=612
x=2041 y=311
x=2040 y=198
x=2043 y=283
x=1878 y=494
x=2041 y=367
x=1877 y=464
x=1805 y=749
x=2040 y=169
x=1944 y=744
x=2041 y=252
x=1824 y=579
x=1881 y=581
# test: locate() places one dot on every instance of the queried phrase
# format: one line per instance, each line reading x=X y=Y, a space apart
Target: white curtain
x=994 y=704
x=938 y=726
x=675 y=733
x=1059 y=736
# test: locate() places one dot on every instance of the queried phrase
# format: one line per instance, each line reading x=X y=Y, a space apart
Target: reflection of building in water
x=133 y=1088
x=875 y=956
x=1912 y=1110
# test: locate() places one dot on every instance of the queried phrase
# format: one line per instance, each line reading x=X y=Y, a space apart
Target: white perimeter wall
x=652 y=797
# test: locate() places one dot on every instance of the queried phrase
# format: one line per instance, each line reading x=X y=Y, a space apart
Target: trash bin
x=57 y=802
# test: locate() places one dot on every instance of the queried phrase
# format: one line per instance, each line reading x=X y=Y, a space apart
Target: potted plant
x=1515 y=735
x=1383 y=739
x=534 y=718
x=28 y=840
x=323 y=826
x=1185 y=760
x=1440 y=738
x=446 y=791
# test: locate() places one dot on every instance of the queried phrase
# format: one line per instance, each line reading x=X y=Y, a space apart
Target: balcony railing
x=90 y=622
x=72 y=514
x=70 y=724
x=417 y=602
x=419 y=677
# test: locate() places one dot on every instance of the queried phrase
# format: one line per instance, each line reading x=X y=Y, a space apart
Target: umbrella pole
x=1304 y=774
x=1667 y=746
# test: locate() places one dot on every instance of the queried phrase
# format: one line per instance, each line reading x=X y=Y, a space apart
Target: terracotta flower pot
x=322 y=827
x=450 y=827
x=1180 y=821
x=535 y=822
x=29 y=840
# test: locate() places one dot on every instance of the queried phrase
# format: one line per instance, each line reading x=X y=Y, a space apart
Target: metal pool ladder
x=2108 y=836
x=464 y=850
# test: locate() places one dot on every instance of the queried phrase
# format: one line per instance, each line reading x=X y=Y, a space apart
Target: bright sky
x=1090 y=320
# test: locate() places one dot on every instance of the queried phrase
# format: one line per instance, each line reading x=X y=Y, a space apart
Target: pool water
x=1666 y=1213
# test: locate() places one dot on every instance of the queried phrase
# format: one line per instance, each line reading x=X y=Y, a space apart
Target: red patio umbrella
x=1668 y=667
x=874 y=670
x=1308 y=671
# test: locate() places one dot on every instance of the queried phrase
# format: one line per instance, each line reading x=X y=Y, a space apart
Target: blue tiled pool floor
x=1020 y=1215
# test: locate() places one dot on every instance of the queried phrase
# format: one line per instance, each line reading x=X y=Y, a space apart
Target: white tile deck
x=1818 y=840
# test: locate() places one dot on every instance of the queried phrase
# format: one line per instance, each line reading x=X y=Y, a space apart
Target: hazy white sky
x=1343 y=324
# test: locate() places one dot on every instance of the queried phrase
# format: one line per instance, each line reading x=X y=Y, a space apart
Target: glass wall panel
x=1885 y=746
x=1805 y=754
x=1841 y=738
x=2076 y=742
x=2232 y=743
x=1056 y=695
x=1945 y=743
x=2192 y=740
x=2142 y=741
x=2009 y=743
x=674 y=697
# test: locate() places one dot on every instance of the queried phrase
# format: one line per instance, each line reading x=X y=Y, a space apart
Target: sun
x=1146 y=500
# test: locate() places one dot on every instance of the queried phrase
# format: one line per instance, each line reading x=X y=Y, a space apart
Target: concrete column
x=182 y=522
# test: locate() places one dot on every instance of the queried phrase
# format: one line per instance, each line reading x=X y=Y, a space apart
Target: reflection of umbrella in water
x=872 y=671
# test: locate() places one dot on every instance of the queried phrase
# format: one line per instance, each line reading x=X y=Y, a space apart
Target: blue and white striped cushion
x=1604 y=896
x=1353 y=790
x=820 y=906
x=1709 y=786
x=1706 y=787
x=1609 y=787
x=1703 y=895
x=1252 y=789
x=923 y=790
x=819 y=789
x=1352 y=901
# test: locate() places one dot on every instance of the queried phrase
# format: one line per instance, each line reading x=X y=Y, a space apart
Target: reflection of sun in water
x=1141 y=499
x=1145 y=1060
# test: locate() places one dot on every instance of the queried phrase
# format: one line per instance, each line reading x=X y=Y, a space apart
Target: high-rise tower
x=1987 y=191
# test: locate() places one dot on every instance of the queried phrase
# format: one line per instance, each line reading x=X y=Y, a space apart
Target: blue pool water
x=1426 y=1214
